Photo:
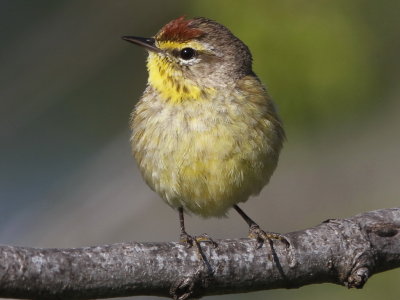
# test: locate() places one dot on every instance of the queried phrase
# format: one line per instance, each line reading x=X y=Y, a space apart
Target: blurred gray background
x=68 y=83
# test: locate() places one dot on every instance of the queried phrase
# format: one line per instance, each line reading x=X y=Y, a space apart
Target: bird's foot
x=261 y=236
x=185 y=287
x=187 y=239
x=205 y=238
x=190 y=240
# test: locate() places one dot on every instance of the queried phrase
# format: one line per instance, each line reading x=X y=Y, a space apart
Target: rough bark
x=345 y=251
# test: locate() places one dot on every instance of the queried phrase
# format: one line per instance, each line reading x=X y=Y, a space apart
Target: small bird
x=205 y=134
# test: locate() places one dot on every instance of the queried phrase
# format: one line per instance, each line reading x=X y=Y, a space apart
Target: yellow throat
x=168 y=79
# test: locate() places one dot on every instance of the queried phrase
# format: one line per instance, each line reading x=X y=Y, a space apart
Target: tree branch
x=346 y=252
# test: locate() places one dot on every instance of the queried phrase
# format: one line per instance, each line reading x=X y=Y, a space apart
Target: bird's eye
x=187 y=53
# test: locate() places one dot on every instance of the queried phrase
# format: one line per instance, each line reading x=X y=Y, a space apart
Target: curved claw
x=183 y=288
x=187 y=239
x=190 y=240
x=261 y=236
x=205 y=238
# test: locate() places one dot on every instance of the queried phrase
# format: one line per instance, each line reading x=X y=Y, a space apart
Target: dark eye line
x=175 y=52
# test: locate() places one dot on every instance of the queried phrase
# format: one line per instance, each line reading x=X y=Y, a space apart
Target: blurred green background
x=68 y=83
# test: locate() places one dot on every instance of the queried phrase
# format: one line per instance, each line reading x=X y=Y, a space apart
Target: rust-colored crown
x=179 y=30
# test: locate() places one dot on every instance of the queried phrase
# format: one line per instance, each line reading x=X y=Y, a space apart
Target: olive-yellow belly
x=204 y=156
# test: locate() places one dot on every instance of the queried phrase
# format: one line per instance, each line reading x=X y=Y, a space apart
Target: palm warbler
x=205 y=133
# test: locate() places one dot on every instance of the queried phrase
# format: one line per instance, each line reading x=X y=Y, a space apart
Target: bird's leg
x=185 y=237
x=256 y=232
x=193 y=240
x=190 y=240
x=183 y=288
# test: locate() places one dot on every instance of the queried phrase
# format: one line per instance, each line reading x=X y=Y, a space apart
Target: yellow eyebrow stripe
x=166 y=45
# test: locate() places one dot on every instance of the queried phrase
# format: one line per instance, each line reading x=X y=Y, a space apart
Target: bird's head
x=189 y=59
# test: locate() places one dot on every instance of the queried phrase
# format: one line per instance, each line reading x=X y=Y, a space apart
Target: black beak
x=148 y=43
